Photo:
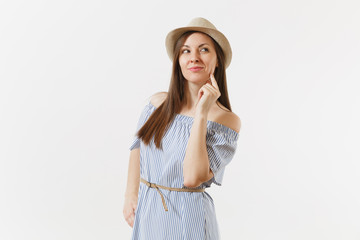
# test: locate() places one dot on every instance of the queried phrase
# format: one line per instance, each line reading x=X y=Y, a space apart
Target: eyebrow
x=199 y=45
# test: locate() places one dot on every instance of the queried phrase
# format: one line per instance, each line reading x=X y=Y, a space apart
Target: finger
x=211 y=88
x=128 y=221
x=215 y=85
x=212 y=71
x=128 y=212
x=213 y=81
x=131 y=221
x=201 y=92
x=213 y=91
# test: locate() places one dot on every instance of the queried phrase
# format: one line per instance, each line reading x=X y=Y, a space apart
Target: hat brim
x=175 y=34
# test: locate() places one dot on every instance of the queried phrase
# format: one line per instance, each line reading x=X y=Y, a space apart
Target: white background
x=75 y=75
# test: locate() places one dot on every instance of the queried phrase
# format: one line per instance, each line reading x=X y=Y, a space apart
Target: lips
x=196 y=69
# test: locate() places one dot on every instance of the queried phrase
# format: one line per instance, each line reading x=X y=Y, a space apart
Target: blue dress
x=191 y=215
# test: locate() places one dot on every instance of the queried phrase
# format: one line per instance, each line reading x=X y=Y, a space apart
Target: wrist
x=131 y=195
x=201 y=116
x=201 y=113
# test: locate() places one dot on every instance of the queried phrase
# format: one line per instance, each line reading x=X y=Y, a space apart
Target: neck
x=191 y=91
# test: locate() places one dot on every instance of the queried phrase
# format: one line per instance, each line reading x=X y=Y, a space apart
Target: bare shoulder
x=158 y=98
x=228 y=119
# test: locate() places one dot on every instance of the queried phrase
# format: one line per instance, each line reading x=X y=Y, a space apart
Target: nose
x=194 y=57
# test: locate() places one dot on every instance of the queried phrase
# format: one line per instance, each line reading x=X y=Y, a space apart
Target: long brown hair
x=163 y=115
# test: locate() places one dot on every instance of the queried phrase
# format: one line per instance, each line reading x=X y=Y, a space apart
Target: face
x=198 y=58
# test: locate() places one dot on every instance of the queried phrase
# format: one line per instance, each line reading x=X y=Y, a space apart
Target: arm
x=196 y=168
x=132 y=187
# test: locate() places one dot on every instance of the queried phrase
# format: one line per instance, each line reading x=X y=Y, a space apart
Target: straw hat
x=201 y=25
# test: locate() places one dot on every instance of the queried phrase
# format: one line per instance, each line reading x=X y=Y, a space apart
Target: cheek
x=212 y=63
x=182 y=63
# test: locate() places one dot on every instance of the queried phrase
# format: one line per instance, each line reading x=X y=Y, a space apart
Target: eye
x=204 y=50
x=185 y=51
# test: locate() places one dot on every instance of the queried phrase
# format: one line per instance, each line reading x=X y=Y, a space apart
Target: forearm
x=196 y=167
x=133 y=179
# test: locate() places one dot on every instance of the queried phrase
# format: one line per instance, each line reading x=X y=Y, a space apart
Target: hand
x=129 y=210
x=207 y=96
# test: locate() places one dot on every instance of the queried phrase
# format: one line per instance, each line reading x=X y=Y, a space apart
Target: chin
x=201 y=78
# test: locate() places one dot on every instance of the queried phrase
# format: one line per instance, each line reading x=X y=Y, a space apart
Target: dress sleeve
x=221 y=144
x=145 y=114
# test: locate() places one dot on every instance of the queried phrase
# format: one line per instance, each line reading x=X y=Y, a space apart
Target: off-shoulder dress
x=190 y=215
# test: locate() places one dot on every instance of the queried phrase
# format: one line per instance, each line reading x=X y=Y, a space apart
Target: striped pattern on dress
x=191 y=215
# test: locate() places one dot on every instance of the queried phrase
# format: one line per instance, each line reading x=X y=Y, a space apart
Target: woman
x=185 y=139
